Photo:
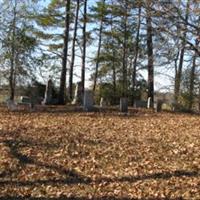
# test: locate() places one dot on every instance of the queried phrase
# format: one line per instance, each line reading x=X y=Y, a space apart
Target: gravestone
x=34 y=97
x=48 y=93
x=158 y=106
x=124 y=104
x=77 y=95
x=25 y=100
x=149 y=103
x=140 y=104
x=12 y=106
x=88 y=101
x=102 y=102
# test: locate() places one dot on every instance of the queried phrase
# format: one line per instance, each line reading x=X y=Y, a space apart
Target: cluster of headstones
x=88 y=99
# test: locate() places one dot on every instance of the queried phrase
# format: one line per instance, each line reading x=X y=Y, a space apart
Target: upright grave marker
x=88 y=101
x=124 y=105
x=48 y=93
x=77 y=96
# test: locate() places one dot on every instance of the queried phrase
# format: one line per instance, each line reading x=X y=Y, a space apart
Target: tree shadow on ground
x=71 y=176
x=74 y=178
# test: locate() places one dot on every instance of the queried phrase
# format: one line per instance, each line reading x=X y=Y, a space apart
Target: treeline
x=120 y=39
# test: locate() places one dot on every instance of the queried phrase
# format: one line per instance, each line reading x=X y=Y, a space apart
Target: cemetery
x=99 y=100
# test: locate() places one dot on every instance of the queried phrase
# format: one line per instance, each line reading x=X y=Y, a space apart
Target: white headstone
x=102 y=102
x=149 y=103
x=48 y=92
x=77 y=96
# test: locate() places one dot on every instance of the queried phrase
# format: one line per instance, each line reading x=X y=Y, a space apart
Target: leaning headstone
x=78 y=95
x=124 y=105
x=88 y=101
x=48 y=93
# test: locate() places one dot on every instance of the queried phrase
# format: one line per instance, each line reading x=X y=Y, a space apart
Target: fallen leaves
x=53 y=154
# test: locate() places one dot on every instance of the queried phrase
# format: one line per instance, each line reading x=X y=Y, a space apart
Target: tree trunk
x=99 y=50
x=62 y=92
x=12 y=59
x=73 y=51
x=84 y=50
x=136 y=56
x=150 y=57
x=179 y=74
x=113 y=65
x=199 y=98
x=192 y=78
x=181 y=61
x=124 y=59
x=114 y=79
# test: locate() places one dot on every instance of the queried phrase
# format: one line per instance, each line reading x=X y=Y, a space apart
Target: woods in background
x=117 y=42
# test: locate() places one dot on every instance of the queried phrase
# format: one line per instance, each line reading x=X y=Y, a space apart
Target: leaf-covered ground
x=74 y=155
